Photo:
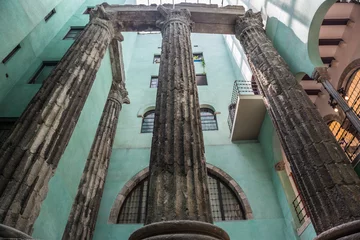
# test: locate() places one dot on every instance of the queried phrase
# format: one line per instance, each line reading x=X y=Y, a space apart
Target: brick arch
x=137 y=178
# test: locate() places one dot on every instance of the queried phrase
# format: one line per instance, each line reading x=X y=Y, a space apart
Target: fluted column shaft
x=178 y=180
x=31 y=154
x=83 y=215
x=327 y=182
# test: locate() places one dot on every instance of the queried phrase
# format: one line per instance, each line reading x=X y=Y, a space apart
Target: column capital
x=100 y=17
x=119 y=93
x=174 y=15
x=249 y=20
x=320 y=74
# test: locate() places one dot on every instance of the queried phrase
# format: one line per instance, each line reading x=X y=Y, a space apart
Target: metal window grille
x=6 y=125
x=74 y=32
x=43 y=72
x=353 y=91
x=208 y=119
x=154 y=82
x=225 y=206
x=49 y=15
x=147 y=125
x=300 y=209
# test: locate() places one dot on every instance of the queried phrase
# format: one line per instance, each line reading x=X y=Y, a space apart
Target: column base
x=180 y=230
x=7 y=232
x=346 y=231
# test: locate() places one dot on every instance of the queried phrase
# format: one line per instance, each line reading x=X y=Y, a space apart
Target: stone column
x=327 y=182
x=178 y=202
x=83 y=215
x=30 y=155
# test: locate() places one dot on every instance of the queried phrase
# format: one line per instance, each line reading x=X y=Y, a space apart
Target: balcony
x=246 y=111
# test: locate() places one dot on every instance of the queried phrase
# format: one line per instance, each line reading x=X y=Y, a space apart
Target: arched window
x=147 y=125
x=227 y=201
x=208 y=119
x=353 y=91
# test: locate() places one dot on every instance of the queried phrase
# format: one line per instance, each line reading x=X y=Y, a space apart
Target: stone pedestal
x=30 y=155
x=327 y=181
x=178 y=205
x=83 y=215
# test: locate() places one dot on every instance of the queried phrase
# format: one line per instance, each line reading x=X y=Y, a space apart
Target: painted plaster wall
x=22 y=22
x=271 y=150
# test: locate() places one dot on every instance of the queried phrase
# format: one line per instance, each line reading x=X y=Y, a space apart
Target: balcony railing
x=241 y=87
x=300 y=210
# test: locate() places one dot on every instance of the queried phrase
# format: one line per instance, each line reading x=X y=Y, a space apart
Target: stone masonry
x=31 y=154
x=327 y=181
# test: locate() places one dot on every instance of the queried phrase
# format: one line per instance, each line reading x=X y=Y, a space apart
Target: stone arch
x=333 y=117
x=314 y=32
x=145 y=109
x=137 y=178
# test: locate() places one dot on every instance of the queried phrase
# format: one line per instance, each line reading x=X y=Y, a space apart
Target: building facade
x=78 y=108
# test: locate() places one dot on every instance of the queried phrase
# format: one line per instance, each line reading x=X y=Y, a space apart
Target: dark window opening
x=208 y=119
x=225 y=206
x=12 y=53
x=147 y=125
x=6 y=125
x=88 y=10
x=201 y=80
x=156 y=58
x=43 y=72
x=49 y=15
x=73 y=33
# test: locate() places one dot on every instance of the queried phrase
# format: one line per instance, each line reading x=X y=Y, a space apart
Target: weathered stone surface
x=178 y=180
x=83 y=215
x=30 y=155
x=327 y=182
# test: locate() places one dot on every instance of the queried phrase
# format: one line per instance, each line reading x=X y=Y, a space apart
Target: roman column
x=178 y=205
x=83 y=215
x=31 y=154
x=327 y=181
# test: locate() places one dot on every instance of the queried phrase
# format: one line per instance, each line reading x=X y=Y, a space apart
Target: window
x=49 y=15
x=74 y=32
x=353 y=91
x=201 y=80
x=43 y=72
x=6 y=125
x=198 y=57
x=12 y=53
x=225 y=205
x=88 y=9
x=156 y=58
x=208 y=119
x=148 y=122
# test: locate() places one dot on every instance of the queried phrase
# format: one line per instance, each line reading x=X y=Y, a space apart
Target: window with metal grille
x=225 y=206
x=49 y=15
x=6 y=125
x=208 y=119
x=147 y=125
x=43 y=72
x=201 y=80
x=88 y=10
x=73 y=33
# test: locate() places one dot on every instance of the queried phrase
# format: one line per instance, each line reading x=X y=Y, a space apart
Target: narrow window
x=73 y=33
x=154 y=82
x=49 y=15
x=88 y=10
x=198 y=57
x=208 y=119
x=156 y=58
x=43 y=72
x=6 y=125
x=12 y=53
x=201 y=80
x=147 y=125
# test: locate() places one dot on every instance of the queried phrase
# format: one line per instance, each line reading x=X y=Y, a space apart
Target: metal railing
x=348 y=138
x=241 y=87
x=300 y=209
